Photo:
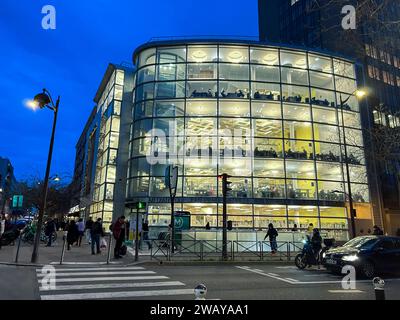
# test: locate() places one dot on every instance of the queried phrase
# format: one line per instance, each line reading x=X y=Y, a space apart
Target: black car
x=368 y=254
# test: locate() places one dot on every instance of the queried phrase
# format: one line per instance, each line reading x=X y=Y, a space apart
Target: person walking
x=119 y=230
x=49 y=229
x=96 y=231
x=88 y=229
x=145 y=230
x=272 y=234
x=73 y=233
x=81 y=231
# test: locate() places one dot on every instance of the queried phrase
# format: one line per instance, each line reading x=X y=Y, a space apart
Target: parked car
x=368 y=254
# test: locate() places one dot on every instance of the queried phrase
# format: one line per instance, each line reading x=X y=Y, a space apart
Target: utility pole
x=225 y=190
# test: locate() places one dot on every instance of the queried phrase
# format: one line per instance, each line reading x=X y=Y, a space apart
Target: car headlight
x=324 y=255
x=350 y=258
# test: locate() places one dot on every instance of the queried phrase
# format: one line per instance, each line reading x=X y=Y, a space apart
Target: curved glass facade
x=269 y=117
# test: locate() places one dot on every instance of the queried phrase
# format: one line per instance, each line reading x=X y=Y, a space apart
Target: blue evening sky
x=71 y=60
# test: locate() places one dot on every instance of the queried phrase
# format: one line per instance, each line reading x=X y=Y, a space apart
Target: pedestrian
x=49 y=229
x=272 y=234
x=208 y=226
x=81 y=231
x=377 y=231
x=88 y=229
x=316 y=244
x=294 y=229
x=119 y=230
x=72 y=234
x=96 y=231
x=145 y=230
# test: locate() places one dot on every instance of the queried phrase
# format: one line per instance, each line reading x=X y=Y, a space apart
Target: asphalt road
x=240 y=281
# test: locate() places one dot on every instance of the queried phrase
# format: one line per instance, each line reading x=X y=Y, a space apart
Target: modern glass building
x=270 y=117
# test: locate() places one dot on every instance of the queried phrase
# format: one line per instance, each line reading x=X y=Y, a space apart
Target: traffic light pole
x=225 y=190
x=137 y=234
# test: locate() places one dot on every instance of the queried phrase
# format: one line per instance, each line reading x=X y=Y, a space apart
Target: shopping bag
x=103 y=243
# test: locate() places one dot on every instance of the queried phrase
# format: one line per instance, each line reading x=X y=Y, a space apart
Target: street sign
x=17 y=201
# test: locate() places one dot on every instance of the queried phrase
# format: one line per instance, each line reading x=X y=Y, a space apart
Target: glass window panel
x=147 y=57
x=198 y=220
x=142 y=127
x=139 y=167
x=119 y=77
x=327 y=152
x=269 y=188
x=265 y=91
x=146 y=74
x=323 y=98
x=171 y=72
x=269 y=210
x=334 y=223
x=234 y=90
x=301 y=189
x=293 y=59
x=343 y=68
x=345 y=85
x=264 y=56
x=320 y=63
x=333 y=212
x=228 y=71
x=200 y=126
x=326 y=133
x=202 y=54
x=265 y=73
x=326 y=191
x=236 y=209
x=145 y=92
x=234 y=109
x=200 y=167
x=300 y=169
x=329 y=171
x=294 y=76
x=270 y=168
x=356 y=155
x=235 y=167
x=113 y=157
x=296 y=112
x=115 y=124
x=202 y=71
x=351 y=119
x=169 y=109
x=266 y=110
x=159 y=220
x=358 y=174
x=170 y=90
x=114 y=140
x=295 y=94
x=241 y=188
x=267 y=148
x=138 y=186
x=170 y=126
x=201 y=89
x=172 y=55
x=110 y=191
x=264 y=221
x=234 y=54
x=201 y=108
x=303 y=211
x=231 y=124
x=143 y=109
x=299 y=149
x=141 y=147
x=298 y=130
x=351 y=104
x=321 y=80
x=117 y=108
x=354 y=137
x=267 y=128
x=158 y=187
x=359 y=192
x=324 y=115
x=200 y=187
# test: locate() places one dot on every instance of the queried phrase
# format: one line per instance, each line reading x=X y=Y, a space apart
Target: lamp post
x=359 y=94
x=44 y=100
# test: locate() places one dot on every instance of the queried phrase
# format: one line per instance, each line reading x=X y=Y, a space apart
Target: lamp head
x=361 y=93
x=41 y=99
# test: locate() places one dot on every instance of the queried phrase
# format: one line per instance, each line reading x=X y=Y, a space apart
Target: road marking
x=115 y=285
x=86 y=263
x=265 y=275
x=110 y=279
x=273 y=274
x=290 y=279
x=121 y=294
x=346 y=291
x=95 y=269
x=97 y=273
x=287 y=267
x=258 y=270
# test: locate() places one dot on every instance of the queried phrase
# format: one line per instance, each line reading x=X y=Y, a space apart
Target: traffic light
x=225 y=184
x=140 y=205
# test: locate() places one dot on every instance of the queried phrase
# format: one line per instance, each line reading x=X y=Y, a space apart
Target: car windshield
x=361 y=242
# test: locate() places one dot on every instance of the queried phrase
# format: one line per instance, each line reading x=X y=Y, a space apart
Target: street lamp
x=44 y=100
x=359 y=94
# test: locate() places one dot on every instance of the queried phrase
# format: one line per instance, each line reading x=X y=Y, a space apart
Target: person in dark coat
x=73 y=233
x=316 y=243
x=377 y=231
x=96 y=231
x=49 y=229
x=119 y=230
x=272 y=234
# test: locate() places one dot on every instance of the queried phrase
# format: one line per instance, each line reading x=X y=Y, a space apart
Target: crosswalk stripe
x=97 y=273
x=95 y=269
x=109 y=279
x=121 y=294
x=346 y=291
x=115 y=285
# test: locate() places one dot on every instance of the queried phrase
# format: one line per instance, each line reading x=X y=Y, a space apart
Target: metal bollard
x=200 y=292
x=63 y=247
x=109 y=249
x=19 y=245
x=379 y=287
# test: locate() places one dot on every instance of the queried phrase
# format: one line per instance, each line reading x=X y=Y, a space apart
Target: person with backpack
x=96 y=231
x=119 y=231
x=272 y=234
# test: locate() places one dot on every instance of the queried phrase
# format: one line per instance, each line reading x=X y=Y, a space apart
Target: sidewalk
x=77 y=255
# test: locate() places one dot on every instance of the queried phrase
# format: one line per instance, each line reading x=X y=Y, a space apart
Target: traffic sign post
x=139 y=206
x=171 y=181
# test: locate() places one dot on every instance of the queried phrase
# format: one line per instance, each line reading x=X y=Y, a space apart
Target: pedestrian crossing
x=133 y=282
